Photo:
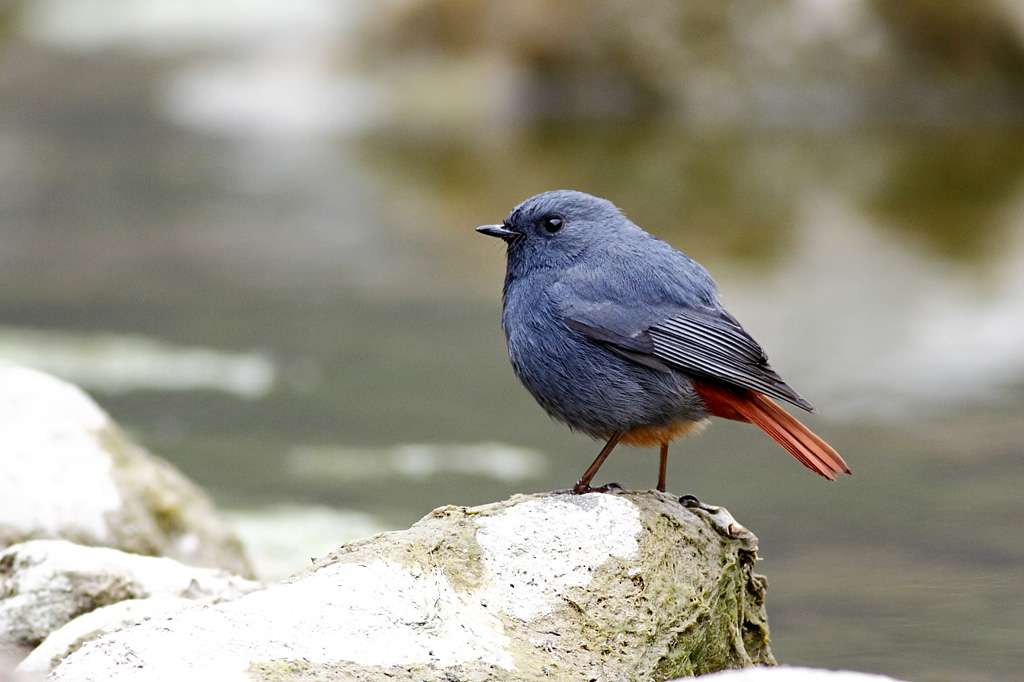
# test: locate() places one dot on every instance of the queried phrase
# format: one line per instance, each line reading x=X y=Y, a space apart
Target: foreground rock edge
x=72 y=474
x=55 y=595
x=554 y=586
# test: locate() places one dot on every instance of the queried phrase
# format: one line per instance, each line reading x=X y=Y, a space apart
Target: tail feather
x=742 y=404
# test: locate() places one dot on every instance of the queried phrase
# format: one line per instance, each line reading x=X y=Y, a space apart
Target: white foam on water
x=115 y=363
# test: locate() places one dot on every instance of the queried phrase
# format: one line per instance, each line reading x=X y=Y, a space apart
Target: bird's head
x=554 y=228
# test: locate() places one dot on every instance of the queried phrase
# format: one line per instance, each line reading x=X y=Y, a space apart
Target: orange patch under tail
x=744 y=405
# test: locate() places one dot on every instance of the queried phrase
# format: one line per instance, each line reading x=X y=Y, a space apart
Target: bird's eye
x=552 y=225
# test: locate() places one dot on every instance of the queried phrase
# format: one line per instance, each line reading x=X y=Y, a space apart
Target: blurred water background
x=246 y=228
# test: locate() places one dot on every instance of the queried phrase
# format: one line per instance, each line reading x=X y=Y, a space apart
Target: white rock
x=69 y=472
x=522 y=547
x=576 y=587
x=44 y=584
x=62 y=642
x=788 y=673
x=49 y=434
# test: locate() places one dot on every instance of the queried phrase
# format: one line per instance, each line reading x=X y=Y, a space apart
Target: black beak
x=499 y=231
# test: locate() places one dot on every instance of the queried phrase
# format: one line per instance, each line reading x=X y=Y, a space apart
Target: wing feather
x=707 y=342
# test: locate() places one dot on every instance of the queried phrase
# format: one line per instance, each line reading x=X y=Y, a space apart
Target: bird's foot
x=691 y=502
x=583 y=488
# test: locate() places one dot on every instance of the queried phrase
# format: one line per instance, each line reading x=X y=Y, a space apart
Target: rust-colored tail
x=744 y=405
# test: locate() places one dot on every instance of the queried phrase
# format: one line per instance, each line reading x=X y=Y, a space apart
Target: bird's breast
x=588 y=386
x=655 y=434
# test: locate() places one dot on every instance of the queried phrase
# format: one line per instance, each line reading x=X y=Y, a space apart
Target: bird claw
x=691 y=502
x=579 y=489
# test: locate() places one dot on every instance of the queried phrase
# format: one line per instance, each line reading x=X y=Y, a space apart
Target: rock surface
x=63 y=642
x=70 y=473
x=788 y=673
x=598 y=586
x=45 y=584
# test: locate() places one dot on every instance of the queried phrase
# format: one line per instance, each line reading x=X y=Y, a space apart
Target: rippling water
x=293 y=307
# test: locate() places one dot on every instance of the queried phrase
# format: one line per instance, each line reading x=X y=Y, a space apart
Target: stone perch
x=625 y=585
x=70 y=473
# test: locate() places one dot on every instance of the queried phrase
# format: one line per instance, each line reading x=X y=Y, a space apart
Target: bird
x=622 y=337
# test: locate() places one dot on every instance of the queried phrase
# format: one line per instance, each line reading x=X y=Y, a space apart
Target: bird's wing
x=704 y=341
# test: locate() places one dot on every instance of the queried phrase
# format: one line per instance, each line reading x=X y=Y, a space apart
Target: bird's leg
x=583 y=486
x=662 y=466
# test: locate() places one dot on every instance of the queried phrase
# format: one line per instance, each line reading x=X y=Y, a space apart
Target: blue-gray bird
x=622 y=337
